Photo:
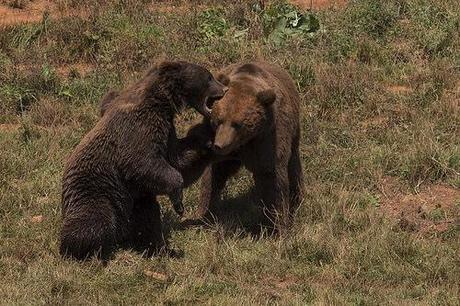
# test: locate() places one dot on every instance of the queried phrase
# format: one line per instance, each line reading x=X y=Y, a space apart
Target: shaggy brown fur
x=190 y=155
x=111 y=178
x=258 y=121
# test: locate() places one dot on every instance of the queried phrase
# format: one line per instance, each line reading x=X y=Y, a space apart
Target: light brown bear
x=257 y=122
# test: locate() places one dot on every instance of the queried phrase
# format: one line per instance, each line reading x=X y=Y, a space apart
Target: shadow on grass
x=236 y=217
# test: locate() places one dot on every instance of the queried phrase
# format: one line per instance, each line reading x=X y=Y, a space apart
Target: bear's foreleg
x=212 y=183
x=193 y=152
x=155 y=174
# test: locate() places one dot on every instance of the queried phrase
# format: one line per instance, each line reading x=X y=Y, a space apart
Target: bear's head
x=242 y=114
x=193 y=85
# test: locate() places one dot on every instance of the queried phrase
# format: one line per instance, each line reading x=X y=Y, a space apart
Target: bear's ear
x=266 y=97
x=223 y=79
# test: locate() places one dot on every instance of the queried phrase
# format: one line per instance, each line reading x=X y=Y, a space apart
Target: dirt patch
x=37 y=219
x=375 y=122
x=399 y=89
x=81 y=69
x=319 y=4
x=32 y=11
x=156 y=275
x=9 y=127
x=434 y=209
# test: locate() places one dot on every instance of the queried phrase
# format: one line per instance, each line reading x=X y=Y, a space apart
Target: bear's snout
x=217 y=90
x=224 y=140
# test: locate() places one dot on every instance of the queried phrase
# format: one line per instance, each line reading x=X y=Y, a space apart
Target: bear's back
x=120 y=137
x=90 y=168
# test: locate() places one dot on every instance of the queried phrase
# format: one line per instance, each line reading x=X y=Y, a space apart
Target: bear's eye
x=236 y=125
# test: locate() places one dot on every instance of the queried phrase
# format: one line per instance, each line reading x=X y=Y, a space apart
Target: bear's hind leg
x=296 y=183
x=146 y=227
x=89 y=231
x=272 y=189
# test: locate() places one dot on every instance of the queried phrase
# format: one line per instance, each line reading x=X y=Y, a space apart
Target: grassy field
x=380 y=82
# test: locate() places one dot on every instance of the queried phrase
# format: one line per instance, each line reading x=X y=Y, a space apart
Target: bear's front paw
x=176 y=199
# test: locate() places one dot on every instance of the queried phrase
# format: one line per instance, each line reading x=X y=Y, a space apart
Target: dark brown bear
x=258 y=121
x=188 y=155
x=111 y=178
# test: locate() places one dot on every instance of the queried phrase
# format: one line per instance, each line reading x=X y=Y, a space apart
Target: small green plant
x=47 y=80
x=282 y=21
x=367 y=199
x=212 y=24
x=26 y=34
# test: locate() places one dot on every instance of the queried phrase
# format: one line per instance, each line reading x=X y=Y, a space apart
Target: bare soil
x=80 y=68
x=9 y=127
x=31 y=12
x=433 y=209
x=399 y=89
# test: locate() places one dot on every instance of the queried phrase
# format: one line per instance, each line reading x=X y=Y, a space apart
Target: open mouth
x=208 y=103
